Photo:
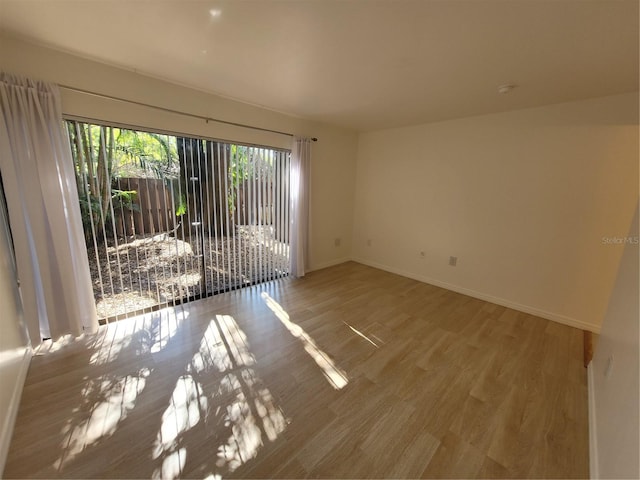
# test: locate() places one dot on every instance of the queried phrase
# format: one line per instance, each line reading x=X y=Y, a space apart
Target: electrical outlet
x=337 y=242
x=453 y=261
x=369 y=242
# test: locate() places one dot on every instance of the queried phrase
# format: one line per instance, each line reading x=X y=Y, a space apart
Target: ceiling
x=360 y=64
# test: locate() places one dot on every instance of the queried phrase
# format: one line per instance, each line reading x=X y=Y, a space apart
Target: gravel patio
x=144 y=271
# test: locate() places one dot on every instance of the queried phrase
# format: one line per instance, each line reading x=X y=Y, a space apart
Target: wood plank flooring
x=350 y=372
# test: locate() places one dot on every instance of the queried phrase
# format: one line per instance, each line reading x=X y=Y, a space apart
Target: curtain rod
x=178 y=112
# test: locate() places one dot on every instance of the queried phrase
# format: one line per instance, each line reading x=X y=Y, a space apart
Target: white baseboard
x=593 y=438
x=9 y=420
x=572 y=322
x=331 y=263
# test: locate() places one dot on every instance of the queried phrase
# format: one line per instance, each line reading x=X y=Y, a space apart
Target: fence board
x=154 y=207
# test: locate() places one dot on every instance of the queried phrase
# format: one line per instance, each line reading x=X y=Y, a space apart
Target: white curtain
x=42 y=199
x=300 y=189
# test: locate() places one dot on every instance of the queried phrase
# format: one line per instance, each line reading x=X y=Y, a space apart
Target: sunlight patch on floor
x=235 y=341
x=251 y=416
x=240 y=401
x=359 y=333
x=50 y=346
x=172 y=465
x=152 y=332
x=169 y=323
x=336 y=376
x=188 y=405
x=211 y=354
x=107 y=399
x=112 y=398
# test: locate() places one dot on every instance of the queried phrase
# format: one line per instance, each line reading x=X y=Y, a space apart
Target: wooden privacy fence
x=254 y=209
x=155 y=207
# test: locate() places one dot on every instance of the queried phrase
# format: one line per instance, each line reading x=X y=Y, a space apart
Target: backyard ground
x=132 y=274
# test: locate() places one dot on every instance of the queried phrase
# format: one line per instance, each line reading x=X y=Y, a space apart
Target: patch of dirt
x=136 y=273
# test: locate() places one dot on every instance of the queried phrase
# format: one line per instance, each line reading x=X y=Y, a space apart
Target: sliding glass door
x=169 y=219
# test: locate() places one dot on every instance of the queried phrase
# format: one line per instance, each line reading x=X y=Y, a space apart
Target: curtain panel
x=300 y=208
x=42 y=199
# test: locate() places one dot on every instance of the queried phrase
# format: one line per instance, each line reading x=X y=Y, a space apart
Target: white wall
x=333 y=156
x=522 y=198
x=614 y=421
x=15 y=351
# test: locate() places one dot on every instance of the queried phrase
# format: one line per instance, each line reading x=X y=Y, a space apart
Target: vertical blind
x=169 y=219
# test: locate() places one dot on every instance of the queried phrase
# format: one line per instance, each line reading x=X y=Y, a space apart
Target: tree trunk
x=203 y=186
x=218 y=186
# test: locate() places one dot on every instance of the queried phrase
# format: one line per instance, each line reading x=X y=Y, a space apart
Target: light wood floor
x=348 y=373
